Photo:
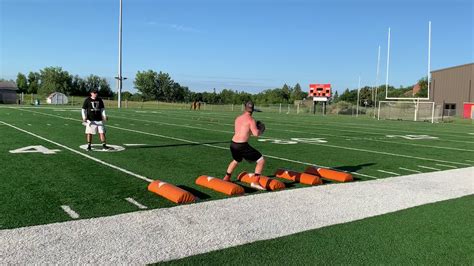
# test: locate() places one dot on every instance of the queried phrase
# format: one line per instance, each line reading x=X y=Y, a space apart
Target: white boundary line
x=80 y=153
x=152 y=236
x=70 y=211
x=207 y=145
x=431 y=168
x=445 y=165
x=470 y=161
x=410 y=170
x=387 y=172
x=342 y=125
x=336 y=146
x=295 y=131
x=136 y=203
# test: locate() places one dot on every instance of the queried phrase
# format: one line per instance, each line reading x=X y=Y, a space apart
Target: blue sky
x=243 y=45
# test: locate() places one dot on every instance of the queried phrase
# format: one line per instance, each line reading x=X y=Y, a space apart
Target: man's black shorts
x=244 y=151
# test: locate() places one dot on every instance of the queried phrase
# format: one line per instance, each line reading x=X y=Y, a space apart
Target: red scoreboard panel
x=320 y=90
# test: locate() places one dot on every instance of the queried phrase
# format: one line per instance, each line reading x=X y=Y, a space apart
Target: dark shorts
x=244 y=151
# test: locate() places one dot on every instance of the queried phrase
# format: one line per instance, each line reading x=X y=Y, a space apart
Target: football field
x=48 y=177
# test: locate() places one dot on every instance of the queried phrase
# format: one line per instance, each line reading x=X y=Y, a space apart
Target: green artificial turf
x=434 y=234
x=182 y=145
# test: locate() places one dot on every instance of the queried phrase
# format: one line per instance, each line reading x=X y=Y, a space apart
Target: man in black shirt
x=93 y=115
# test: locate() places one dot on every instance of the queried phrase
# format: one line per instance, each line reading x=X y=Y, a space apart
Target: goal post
x=408 y=110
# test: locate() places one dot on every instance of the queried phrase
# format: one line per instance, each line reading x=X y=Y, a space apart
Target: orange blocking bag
x=267 y=183
x=329 y=174
x=303 y=178
x=220 y=185
x=171 y=192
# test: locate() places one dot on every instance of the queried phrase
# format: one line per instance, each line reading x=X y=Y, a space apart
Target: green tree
x=423 y=92
x=22 y=83
x=146 y=83
x=54 y=79
x=297 y=93
x=34 y=81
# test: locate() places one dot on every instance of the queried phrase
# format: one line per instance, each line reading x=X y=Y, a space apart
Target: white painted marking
x=152 y=231
x=80 y=153
x=409 y=170
x=35 y=149
x=470 y=161
x=98 y=147
x=136 y=203
x=70 y=211
x=29 y=125
x=209 y=178
x=160 y=184
x=133 y=145
x=207 y=145
x=48 y=124
x=412 y=137
x=66 y=124
x=387 y=172
x=431 y=168
x=445 y=165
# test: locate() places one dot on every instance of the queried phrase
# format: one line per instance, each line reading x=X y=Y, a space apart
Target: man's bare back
x=244 y=126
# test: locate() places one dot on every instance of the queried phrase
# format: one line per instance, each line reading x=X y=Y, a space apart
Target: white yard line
x=136 y=203
x=409 y=170
x=445 y=165
x=427 y=167
x=295 y=131
x=333 y=146
x=387 y=172
x=164 y=234
x=470 y=161
x=70 y=211
x=80 y=153
x=207 y=145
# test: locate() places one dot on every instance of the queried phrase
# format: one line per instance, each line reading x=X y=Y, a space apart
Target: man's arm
x=253 y=128
x=102 y=110
x=84 y=111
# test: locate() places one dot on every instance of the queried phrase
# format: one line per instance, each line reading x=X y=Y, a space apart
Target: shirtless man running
x=240 y=149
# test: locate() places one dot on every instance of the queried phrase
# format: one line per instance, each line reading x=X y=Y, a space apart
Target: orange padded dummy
x=329 y=174
x=267 y=183
x=303 y=178
x=171 y=192
x=220 y=185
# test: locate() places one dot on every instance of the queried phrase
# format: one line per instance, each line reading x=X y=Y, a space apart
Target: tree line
x=159 y=86
x=55 y=79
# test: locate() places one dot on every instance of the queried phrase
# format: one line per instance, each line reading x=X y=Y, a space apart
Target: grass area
x=180 y=145
x=433 y=234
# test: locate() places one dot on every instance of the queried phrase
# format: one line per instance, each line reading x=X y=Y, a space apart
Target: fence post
x=280 y=108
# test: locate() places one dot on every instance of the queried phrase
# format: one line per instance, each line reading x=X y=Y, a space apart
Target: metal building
x=453 y=87
x=7 y=92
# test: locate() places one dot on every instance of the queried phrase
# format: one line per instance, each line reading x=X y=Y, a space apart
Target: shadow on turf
x=195 y=192
x=176 y=145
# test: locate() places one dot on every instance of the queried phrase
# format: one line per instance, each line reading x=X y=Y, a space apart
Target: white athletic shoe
x=256 y=186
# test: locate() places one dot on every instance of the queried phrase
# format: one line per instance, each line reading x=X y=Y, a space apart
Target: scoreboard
x=320 y=90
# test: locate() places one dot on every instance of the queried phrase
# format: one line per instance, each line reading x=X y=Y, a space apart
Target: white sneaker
x=256 y=186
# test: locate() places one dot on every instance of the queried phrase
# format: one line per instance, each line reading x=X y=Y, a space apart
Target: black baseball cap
x=249 y=106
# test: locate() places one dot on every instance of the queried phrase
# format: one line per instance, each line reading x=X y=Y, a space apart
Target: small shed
x=8 y=91
x=57 y=98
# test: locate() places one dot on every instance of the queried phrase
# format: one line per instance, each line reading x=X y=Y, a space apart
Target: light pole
x=119 y=77
x=358 y=95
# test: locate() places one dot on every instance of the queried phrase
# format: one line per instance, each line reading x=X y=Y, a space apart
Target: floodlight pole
x=119 y=77
x=388 y=63
x=377 y=81
x=358 y=95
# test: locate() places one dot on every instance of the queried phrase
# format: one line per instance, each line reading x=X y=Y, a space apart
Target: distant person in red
x=244 y=126
x=93 y=115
